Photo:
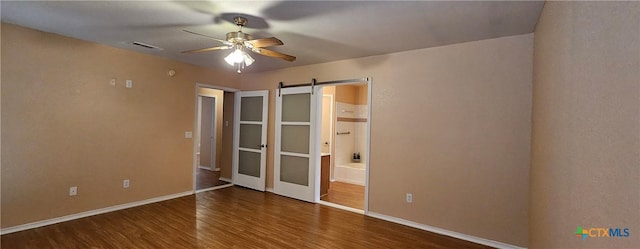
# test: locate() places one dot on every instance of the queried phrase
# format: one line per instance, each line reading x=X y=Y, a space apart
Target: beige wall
x=351 y=94
x=226 y=170
x=586 y=124
x=64 y=125
x=362 y=95
x=346 y=94
x=219 y=96
x=449 y=124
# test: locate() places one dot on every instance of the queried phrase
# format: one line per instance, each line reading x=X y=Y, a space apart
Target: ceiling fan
x=240 y=42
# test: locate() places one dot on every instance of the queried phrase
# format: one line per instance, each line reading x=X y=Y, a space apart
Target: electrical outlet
x=129 y=84
x=73 y=191
x=125 y=183
x=409 y=197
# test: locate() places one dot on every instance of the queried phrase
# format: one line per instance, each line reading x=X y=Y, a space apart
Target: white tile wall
x=360 y=144
x=345 y=110
x=346 y=145
x=360 y=111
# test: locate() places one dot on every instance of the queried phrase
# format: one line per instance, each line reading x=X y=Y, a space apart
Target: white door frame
x=332 y=123
x=368 y=82
x=196 y=127
x=213 y=135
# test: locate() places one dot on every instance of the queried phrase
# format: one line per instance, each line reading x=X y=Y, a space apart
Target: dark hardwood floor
x=345 y=194
x=232 y=217
x=208 y=179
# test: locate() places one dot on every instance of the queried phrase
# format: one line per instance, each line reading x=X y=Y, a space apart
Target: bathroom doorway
x=344 y=145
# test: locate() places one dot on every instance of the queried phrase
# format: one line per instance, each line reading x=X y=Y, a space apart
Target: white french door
x=295 y=157
x=250 y=139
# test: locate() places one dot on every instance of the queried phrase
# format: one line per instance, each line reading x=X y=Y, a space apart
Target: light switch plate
x=129 y=83
x=188 y=134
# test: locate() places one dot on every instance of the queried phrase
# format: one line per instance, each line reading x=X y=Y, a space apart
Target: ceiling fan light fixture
x=237 y=56
x=248 y=60
x=229 y=59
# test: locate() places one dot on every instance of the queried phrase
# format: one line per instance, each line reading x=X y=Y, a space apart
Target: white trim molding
x=208 y=168
x=457 y=235
x=214 y=188
x=90 y=213
x=338 y=206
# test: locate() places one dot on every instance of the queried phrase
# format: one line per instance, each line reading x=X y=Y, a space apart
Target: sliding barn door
x=296 y=156
x=250 y=139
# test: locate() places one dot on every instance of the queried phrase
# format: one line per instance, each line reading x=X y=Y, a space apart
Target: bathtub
x=353 y=173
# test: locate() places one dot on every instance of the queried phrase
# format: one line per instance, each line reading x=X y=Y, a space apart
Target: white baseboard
x=90 y=213
x=486 y=242
x=333 y=205
x=225 y=179
x=214 y=188
x=208 y=168
x=349 y=181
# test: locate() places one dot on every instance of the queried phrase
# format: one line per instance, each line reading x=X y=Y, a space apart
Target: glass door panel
x=294 y=171
x=250 y=136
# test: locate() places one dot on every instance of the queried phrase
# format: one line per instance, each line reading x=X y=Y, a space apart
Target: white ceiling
x=313 y=31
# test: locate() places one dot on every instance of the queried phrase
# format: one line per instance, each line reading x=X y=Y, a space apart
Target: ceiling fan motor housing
x=240 y=21
x=238 y=37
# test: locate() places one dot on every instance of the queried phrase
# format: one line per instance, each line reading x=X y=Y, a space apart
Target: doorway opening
x=344 y=145
x=298 y=153
x=213 y=138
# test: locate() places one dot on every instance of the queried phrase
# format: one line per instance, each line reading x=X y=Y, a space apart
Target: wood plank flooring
x=232 y=217
x=345 y=194
x=208 y=179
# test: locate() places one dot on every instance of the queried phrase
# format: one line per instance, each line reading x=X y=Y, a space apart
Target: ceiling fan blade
x=275 y=54
x=207 y=49
x=265 y=42
x=210 y=37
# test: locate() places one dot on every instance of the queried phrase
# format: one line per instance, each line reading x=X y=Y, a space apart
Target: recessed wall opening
x=213 y=138
x=344 y=145
x=306 y=129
